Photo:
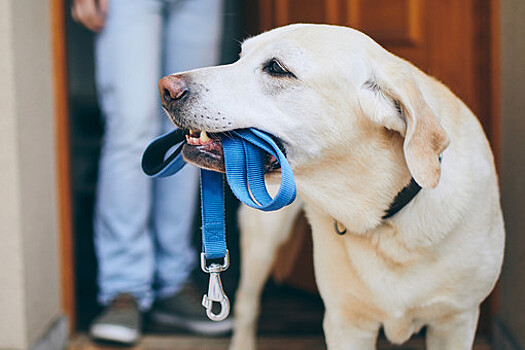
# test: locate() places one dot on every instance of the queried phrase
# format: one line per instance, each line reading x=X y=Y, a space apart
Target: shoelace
x=244 y=157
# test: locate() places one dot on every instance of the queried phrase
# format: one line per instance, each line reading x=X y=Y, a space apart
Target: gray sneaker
x=120 y=322
x=184 y=311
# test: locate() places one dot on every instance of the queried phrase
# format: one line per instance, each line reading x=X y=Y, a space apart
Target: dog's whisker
x=228 y=134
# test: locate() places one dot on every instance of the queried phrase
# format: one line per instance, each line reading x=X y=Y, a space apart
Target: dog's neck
x=356 y=196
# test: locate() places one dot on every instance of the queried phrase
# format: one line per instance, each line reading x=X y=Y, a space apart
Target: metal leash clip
x=215 y=290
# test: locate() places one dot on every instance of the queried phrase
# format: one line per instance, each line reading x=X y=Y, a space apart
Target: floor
x=181 y=342
x=289 y=320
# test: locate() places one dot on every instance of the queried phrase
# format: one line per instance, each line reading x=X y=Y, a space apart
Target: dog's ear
x=395 y=101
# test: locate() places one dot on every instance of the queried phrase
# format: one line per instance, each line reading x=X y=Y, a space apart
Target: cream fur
x=352 y=149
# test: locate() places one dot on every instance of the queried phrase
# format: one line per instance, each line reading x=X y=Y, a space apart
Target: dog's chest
x=399 y=279
x=380 y=278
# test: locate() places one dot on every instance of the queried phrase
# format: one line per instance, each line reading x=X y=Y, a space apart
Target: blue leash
x=244 y=158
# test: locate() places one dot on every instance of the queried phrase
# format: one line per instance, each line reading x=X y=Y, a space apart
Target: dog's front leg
x=455 y=332
x=341 y=334
x=261 y=236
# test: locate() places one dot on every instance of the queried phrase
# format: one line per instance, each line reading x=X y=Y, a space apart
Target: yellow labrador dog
x=358 y=125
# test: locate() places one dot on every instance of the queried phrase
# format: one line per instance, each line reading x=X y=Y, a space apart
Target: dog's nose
x=172 y=88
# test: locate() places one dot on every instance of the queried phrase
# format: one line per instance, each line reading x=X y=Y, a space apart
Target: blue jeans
x=143 y=226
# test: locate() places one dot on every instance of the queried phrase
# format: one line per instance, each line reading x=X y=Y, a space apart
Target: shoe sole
x=210 y=328
x=114 y=333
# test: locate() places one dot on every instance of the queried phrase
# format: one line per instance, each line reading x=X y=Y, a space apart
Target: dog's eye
x=275 y=68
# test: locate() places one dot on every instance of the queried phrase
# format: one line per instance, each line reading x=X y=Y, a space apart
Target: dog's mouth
x=204 y=149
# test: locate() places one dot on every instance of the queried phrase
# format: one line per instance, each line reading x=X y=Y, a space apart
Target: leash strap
x=244 y=157
x=212 y=211
x=214 y=242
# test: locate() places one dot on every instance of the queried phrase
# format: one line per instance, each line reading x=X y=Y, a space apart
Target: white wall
x=29 y=283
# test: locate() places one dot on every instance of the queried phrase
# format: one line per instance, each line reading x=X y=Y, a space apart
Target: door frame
x=63 y=161
x=254 y=12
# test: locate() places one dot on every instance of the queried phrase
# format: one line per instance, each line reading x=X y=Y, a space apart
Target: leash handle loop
x=156 y=162
x=245 y=170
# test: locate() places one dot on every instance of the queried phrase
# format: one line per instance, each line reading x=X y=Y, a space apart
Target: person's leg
x=128 y=63
x=192 y=39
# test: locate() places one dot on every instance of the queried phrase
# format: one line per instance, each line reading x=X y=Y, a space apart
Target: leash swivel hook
x=215 y=290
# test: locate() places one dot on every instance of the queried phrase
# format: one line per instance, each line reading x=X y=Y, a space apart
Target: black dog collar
x=404 y=197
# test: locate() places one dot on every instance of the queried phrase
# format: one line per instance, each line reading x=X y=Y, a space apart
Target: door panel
x=449 y=39
x=390 y=21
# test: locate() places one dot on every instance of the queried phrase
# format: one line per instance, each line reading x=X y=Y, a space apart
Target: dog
x=358 y=125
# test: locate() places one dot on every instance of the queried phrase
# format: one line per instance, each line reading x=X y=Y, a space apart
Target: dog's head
x=330 y=95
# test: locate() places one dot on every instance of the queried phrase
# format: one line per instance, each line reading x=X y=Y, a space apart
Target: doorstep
x=185 y=342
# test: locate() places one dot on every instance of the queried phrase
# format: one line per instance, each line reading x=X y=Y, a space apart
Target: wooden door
x=453 y=40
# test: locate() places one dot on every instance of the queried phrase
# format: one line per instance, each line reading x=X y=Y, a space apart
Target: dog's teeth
x=204 y=137
x=192 y=140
